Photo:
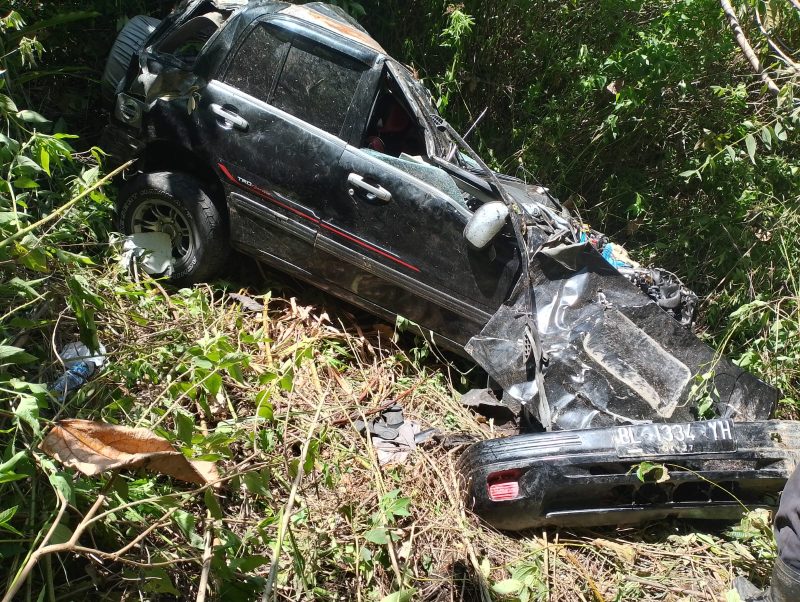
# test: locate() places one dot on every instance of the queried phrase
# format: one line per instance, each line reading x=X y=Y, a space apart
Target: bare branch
x=775 y=48
x=747 y=49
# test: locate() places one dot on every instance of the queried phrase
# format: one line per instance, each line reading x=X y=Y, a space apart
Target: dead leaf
x=624 y=551
x=615 y=86
x=94 y=447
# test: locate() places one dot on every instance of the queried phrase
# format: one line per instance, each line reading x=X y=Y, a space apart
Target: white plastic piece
x=152 y=249
x=485 y=223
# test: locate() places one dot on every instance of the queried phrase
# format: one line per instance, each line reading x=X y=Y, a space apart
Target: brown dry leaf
x=94 y=447
x=624 y=551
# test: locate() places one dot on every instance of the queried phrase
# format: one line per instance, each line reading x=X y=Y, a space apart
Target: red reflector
x=503 y=485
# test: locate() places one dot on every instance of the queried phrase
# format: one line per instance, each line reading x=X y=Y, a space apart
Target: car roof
x=326 y=16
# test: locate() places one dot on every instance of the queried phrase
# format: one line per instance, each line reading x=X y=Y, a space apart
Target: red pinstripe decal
x=263 y=194
x=368 y=246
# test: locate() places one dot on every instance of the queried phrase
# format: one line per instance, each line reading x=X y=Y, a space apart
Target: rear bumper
x=716 y=470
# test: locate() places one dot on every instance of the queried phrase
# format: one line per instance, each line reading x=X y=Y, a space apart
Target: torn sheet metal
x=609 y=353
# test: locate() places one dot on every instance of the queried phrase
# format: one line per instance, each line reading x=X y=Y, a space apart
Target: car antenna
x=475 y=123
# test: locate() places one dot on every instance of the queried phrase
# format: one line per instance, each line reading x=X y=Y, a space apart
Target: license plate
x=706 y=436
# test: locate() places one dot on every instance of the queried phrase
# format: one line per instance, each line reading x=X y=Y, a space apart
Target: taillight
x=503 y=485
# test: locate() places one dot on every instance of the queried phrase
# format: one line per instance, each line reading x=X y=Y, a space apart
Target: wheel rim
x=159 y=215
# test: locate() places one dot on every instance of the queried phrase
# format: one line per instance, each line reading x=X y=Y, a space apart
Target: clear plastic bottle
x=80 y=364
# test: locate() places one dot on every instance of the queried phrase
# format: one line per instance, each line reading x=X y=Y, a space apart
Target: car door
x=393 y=234
x=273 y=121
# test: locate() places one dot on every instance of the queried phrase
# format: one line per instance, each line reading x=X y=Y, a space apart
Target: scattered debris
x=392 y=435
x=151 y=250
x=247 y=303
x=93 y=447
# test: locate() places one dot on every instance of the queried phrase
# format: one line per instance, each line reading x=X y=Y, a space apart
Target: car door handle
x=379 y=192
x=237 y=121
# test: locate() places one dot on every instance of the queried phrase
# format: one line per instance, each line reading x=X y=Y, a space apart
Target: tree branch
x=746 y=48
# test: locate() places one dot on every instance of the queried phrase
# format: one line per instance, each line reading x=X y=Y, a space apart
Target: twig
x=287 y=510
x=207 y=554
x=45 y=549
x=747 y=49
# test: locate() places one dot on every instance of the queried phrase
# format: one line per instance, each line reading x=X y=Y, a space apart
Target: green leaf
x=377 y=535
x=404 y=595
x=649 y=472
x=249 y=563
x=184 y=426
x=750 y=142
x=25 y=182
x=9 y=464
x=780 y=131
x=689 y=173
x=14 y=355
x=44 y=159
x=31 y=116
x=507 y=587
x=212 y=504
x=5 y=516
x=7 y=105
x=311 y=456
x=27 y=411
x=766 y=136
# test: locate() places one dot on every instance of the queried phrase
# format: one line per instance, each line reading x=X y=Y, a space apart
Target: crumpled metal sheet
x=609 y=354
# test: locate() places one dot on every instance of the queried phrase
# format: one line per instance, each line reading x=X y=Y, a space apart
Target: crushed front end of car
x=599 y=351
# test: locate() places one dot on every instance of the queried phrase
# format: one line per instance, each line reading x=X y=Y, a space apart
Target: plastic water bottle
x=80 y=364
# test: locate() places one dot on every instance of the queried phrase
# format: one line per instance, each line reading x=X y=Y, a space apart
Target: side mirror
x=485 y=223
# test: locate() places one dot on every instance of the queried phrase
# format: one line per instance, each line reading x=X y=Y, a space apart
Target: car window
x=317 y=86
x=257 y=62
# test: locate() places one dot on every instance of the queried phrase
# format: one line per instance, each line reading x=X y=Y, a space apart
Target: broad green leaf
x=257 y=482
x=25 y=182
x=404 y=595
x=780 y=131
x=184 y=426
x=507 y=587
x=377 y=535
x=5 y=516
x=27 y=411
x=249 y=563
x=750 y=142
x=766 y=136
x=649 y=472
x=212 y=504
x=31 y=116
x=44 y=159
x=14 y=355
x=7 y=105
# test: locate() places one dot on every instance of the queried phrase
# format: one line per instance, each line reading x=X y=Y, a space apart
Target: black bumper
x=716 y=470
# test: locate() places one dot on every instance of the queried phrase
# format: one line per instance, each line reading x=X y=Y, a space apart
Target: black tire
x=129 y=42
x=176 y=203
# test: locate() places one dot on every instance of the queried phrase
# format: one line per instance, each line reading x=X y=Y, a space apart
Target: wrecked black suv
x=286 y=132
